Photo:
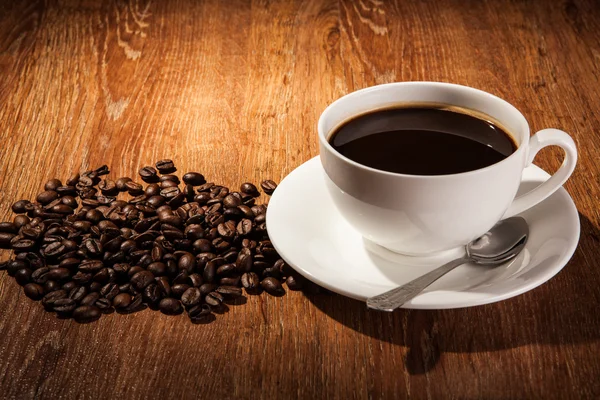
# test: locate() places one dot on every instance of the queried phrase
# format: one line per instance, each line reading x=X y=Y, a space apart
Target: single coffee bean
x=54 y=249
x=86 y=313
x=157 y=268
x=47 y=197
x=170 y=306
x=8 y=227
x=142 y=279
x=249 y=189
x=58 y=274
x=179 y=289
x=40 y=275
x=121 y=184
x=230 y=280
x=200 y=314
x=90 y=299
x=21 y=220
x=194 y=178
x=231 y=201
x=191 y=297
x=20 y=206
x=23 y=276
x=51 y=286
x=165 y=166
x=229 y=291
x=196 y=279
x=121 y=301
x=244 y=260
x=108 y=187
x=64 y=306
x=33 y=291
x=207 y=288
x=6 y=240
x=272 y=286
x=52 y=184
x=268 y=186
x=226 y=269
x=133 y=188
x=187 y=262
x=49 y=299
x=82 y=278
x=148 y=174
x=170 y=192
x=250 y=281
x=244 y=227
x=77 y=293
x=214 y=299
x=91 y=266
x=294 y=282
x=152 y=294
x=20 y=244
x=109 y=291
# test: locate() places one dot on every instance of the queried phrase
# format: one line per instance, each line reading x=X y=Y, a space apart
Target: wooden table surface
x=234 y=89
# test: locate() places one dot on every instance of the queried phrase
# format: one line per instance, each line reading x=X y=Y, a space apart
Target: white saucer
x=311 y=235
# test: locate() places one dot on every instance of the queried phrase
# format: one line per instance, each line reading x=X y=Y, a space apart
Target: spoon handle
x=395 y=298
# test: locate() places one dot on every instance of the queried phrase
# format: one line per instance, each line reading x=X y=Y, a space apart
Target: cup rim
x=324 y=142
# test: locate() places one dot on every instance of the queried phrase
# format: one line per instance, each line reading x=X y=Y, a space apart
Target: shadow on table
x=562 y=311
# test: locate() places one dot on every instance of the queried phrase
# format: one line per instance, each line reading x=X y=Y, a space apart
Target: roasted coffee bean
x=177 y=290
x=202 y=198
x=214 y=299
x=47 y=197
x=142 y=279
x=103 y=170
x=207 y=288
x=54 y=249
x=165 y=166
x=121 y=301
x=272 y=286
x=230 y=280
x=152 y=294
x=77 y=293
x=244 y=227
x=148 y=174
x=200 y=314
x=230 y=256
x=187 y=262
x=194 y=179
x=170 y=306
x=6 y=240
x=8 y=227
x=68 y=286
x=227 y=229
x=90 y=299
x=191 y=297
x=250 y=281
x=231 y=201
x=133 y=188
x=243 y=262
x=229 y=291
x=104 y=305
x=20 y=206
x=196 y=280
x=34 y=291
x=51 y=286
x=157 y=268
x=52 y=184
x=86 y=313
x=20 y=244
x=259 y=210
x=294 y=282
x=121 y=184
x=64 y=306
x=268 y=186
x=49 y=299
x=273 y=272
x=23 y=276
x=109 y=291
x=170 y=192
x=91 y=266
x=82 y=278
x=164 y=285
x=226 y=269
x=21 y=220
x=249 y=189
x=58 y=274
x=40 y=275
x=108 y=187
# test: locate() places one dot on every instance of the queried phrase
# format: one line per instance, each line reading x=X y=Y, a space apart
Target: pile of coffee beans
x=92 y=245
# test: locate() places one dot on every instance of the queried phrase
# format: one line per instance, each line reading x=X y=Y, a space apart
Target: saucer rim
x=544 y=277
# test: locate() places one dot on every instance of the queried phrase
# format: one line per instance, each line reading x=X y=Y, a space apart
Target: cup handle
x=543 y=138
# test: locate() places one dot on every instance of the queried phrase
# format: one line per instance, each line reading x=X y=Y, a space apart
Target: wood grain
x=234 y=89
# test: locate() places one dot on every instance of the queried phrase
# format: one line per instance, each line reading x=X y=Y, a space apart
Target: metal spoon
x=502 y=243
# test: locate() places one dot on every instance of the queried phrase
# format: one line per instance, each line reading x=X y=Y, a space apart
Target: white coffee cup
x=422 y=215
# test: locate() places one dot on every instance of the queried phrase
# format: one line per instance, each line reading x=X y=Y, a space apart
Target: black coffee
x=422 y=140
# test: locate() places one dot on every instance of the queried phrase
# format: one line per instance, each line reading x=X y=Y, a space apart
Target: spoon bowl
x=502 y=243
